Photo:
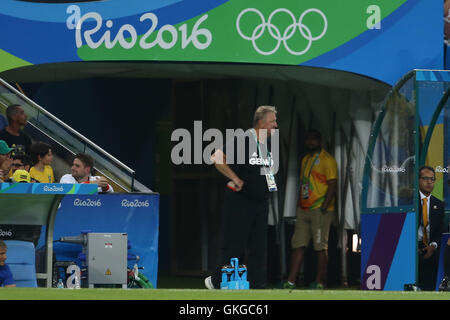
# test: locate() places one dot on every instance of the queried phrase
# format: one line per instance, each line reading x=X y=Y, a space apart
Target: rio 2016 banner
x=361 y=36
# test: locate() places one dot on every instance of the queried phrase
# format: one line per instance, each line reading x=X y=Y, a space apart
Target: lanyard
x=312 y=165
x=259 y=148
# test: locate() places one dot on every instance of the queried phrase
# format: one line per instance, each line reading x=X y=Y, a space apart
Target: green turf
x=203 y=294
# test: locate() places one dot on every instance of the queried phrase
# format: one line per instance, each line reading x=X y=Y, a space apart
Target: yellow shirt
x=316 y=170
x=45 y=176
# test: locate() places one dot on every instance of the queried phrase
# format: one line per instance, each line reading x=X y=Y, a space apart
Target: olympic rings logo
x=288 y=33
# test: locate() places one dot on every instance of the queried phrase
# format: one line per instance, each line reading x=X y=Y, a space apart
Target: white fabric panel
x=315 y=106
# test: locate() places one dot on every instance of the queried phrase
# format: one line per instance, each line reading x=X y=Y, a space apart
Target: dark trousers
x=244 y=236
x=427 y=269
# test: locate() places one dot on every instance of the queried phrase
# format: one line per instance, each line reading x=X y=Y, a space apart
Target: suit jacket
x=436 y=219
x=428 y=267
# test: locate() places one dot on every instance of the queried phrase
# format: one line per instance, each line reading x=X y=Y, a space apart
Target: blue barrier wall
x=134 y=214
x=387 y=256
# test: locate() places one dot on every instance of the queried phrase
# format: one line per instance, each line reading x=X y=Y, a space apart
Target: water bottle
x=60 y=284
x=136 y=271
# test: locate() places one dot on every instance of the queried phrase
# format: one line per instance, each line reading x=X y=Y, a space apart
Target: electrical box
x=107 y=259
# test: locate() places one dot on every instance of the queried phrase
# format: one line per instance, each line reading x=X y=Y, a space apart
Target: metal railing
x=71 y=140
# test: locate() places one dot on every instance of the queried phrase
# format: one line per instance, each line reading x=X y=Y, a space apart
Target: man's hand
x=219 y=160
x=428 y=251
x=102 y=182
x=238 y=184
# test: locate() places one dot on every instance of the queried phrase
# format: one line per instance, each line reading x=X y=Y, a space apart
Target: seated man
x=82 y=167
x=431 y=223
x=6 y=278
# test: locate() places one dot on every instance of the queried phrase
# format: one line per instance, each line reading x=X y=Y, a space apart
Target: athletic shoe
x=289 y=286
x=412 y=287
x=208 y=283
x=316 y=286
x=445 y=284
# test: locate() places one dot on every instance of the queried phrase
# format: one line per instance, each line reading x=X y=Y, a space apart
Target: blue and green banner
x=48 y=188
x=382 y=39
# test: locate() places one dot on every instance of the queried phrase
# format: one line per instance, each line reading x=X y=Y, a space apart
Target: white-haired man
x=245 y=207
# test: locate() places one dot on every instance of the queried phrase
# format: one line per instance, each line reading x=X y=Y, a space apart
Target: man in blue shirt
x=6 y=278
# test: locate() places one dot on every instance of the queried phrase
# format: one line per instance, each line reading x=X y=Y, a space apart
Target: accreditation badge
x=271 y=184
x=305 y=191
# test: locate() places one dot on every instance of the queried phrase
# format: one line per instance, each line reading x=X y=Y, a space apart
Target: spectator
x=41 y=157
x=82 y=168
x=17 y=232
x=5 y=160
x=13 y=134
x=6 y=278
x=315 y=211
x=20 y=161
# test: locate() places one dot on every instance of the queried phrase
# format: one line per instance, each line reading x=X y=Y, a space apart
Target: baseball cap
x=21 y=176
x=4 y=149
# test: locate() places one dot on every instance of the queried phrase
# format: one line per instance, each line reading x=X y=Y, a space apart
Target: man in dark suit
x=431 y=223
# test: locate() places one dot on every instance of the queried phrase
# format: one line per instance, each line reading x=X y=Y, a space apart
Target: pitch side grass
x=203 y=294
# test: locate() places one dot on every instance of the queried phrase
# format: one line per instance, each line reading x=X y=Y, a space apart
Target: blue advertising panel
x=134 y=214
x=49 y=188
x=388 y=253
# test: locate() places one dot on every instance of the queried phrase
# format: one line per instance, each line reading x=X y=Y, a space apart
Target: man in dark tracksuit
x=245 y=210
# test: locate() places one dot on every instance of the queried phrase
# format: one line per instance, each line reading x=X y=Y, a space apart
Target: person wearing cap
x=22 y=232
x=20 y=162
x=5 y=160
x=21 y=176
x=82 y=168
